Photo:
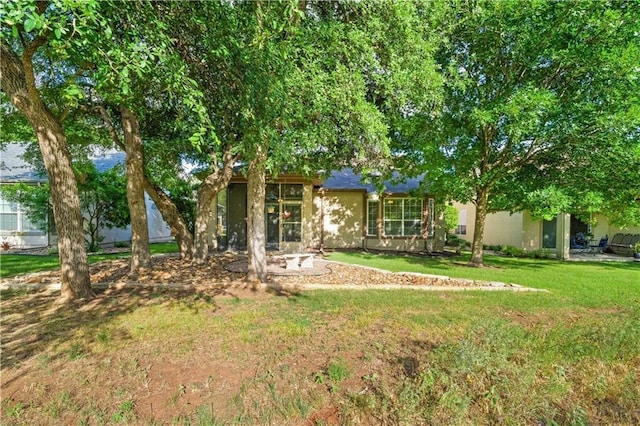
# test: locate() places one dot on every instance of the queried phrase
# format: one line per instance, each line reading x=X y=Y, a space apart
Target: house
x=520 y=230
x=340 y=212
x=19 y=231
x=301 y=213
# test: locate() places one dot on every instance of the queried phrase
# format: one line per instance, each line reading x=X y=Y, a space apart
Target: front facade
x=338 y=213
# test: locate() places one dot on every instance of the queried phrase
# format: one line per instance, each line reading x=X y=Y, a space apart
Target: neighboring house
x=339 y=212
x=20 y=232
x=15 y=226
x=521 y=230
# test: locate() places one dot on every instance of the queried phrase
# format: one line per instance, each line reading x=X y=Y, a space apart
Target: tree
x=28 y=29
x=534 y=91
x=326 y=80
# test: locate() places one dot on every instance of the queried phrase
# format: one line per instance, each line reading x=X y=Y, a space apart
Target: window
x=8 y=216
x=284 y=212
x=402 y=216
x=372 y=217
x=292 y=222
x=14 y=219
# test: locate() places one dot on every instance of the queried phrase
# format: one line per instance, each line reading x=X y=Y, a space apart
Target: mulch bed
x=229 y=269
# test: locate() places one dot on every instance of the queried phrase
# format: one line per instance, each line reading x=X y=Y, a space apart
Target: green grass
x=590 y=283
x=17 y=264
x=564 y=357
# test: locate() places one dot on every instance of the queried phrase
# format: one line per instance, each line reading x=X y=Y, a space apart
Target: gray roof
x=346 y=179
x=13 y=168
x=108 y=160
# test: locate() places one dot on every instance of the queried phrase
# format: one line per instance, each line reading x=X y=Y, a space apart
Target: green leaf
x=29 y=24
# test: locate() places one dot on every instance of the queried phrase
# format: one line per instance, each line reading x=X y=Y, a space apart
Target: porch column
x=563 y=236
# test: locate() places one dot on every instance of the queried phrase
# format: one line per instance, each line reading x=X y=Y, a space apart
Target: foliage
x=104 y=200
x=450 y=217
x=536 y=93
x=548 y=203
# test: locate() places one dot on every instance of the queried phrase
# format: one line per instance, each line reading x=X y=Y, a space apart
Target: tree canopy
x=538 y=95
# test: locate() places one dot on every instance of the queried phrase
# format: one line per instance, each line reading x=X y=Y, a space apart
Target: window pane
x=7 y=207
x=292 y=192
x=272 y=192
x=412 y=227
x=393 y=227
x=28 y=225
x=393 y=209
x=9 y=221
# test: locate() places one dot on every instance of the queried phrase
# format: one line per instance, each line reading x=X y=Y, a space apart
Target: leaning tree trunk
x=482 y=202
x=215 y=182
x=140 y=254
x=172 y=216
x=18 y=82
x=256 y=249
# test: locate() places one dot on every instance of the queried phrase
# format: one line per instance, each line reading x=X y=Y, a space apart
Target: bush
x=455 y=241
x=518 y=252
x=513 y=251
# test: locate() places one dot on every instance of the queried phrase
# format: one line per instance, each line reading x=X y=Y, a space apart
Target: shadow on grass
x=444 y=262
x=33 y=324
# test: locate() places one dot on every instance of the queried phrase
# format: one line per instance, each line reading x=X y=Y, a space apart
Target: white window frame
x=403 y=219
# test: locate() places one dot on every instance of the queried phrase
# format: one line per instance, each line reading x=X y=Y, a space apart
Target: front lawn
x=153 y=356
x=17 y=264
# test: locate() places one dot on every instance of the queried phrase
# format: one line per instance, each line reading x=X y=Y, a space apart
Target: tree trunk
x=172 y=216
x=215 y=182
x=256 y=248
x=482 y=202
x=18 y=82
x=140 y=254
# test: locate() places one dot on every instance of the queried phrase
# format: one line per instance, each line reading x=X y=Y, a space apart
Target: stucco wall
x=531 y=231
x=500 y=228
x=340 y=215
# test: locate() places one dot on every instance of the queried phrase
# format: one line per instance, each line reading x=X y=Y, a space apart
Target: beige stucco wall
x=341 y=214
x=531 y=231
x=521 y=230
x=500 y=228
x=612 y=230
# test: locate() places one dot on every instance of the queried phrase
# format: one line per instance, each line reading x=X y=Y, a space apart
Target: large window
x=402 y=216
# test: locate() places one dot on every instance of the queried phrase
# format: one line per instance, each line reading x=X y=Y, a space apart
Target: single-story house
x=20 y=232
x=340 y=212
x=520 y=230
